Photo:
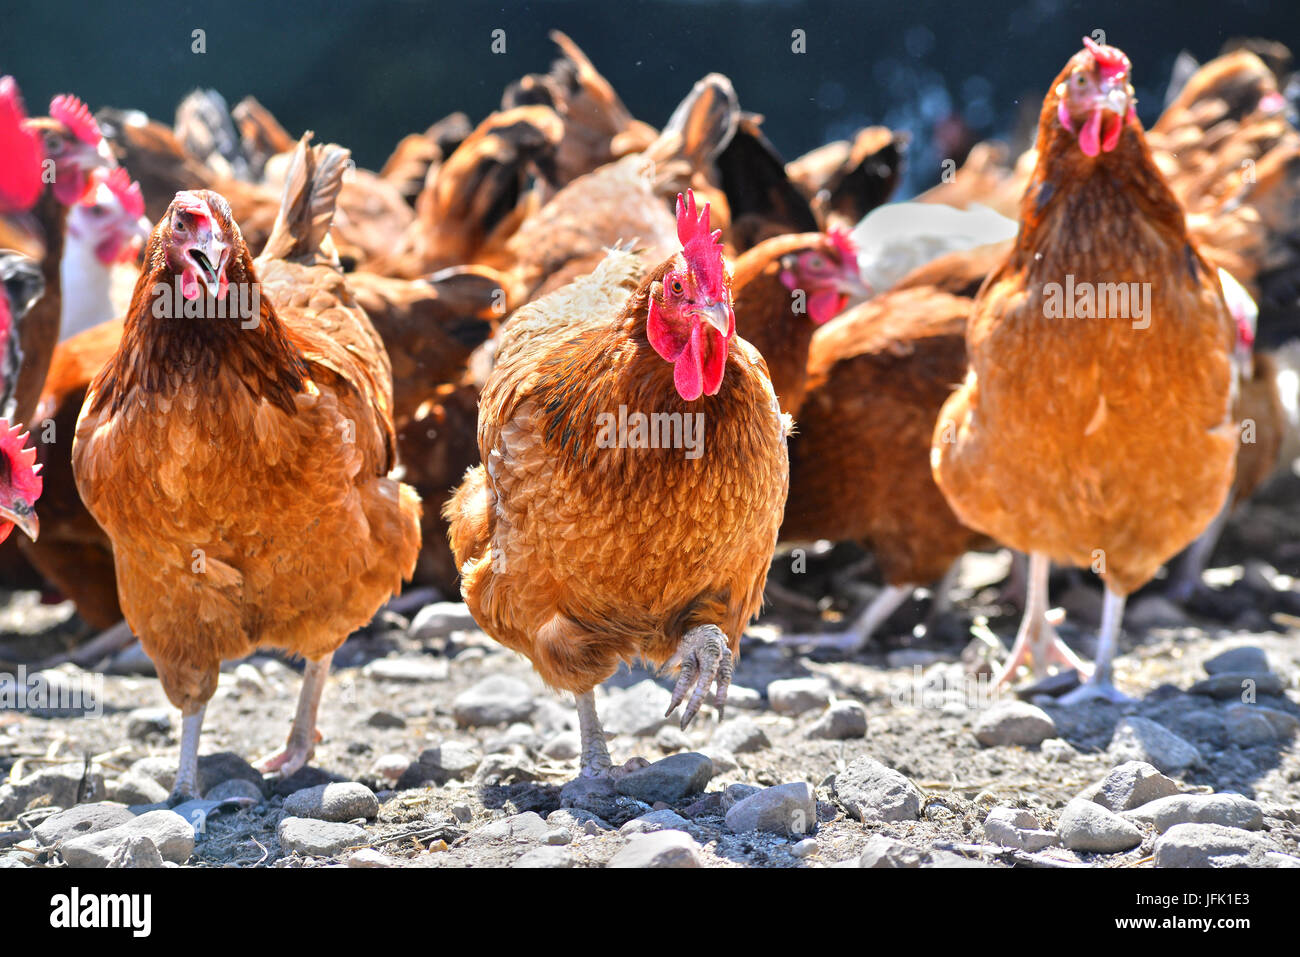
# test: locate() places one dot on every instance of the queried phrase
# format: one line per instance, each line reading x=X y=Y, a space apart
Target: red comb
x=703 y=249
x=1111 y=60
x=25 y=475
x=843 y=243
x=20 y=171
x=127 y=192
x=75 y=115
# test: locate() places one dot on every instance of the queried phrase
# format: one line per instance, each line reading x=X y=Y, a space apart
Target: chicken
x=1099 y=432
x=846 y=180
x=785 y=288
x=419 y=154
x=239 y=458
x=581 y=545
x=20 y=479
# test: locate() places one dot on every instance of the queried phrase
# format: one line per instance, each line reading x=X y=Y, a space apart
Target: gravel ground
x=442 y=749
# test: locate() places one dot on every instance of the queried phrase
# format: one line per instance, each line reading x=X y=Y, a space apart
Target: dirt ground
x=395 y=694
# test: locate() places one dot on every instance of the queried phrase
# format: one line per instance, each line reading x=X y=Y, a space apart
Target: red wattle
x=1113 y=132
x=1090 y=135
x=688 y=374
x=824 y=306
x=190 y=283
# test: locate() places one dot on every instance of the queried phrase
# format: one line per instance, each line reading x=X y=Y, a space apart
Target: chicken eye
x=676 y=287
x=1080 y=81
x=816 y=262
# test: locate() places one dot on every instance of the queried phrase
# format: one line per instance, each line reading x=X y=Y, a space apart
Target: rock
x=1244 y=659
x=654 y=821
x=805 y=848
x=639 y=711
x=345 y=801
x=136 y=851
x=495 y=700
x=235 y=789
x=1282 y=723
x=1013 y=723
x=81 y=820
x=318 y=838
x=787 y=809
x=462 y=812
x=58 y=786
x=669 y=739
x=369 y=857
x=1058 y=750
x=669 y=779
x=525 y=828
x=390 y=767
x=739 y=736
x=598 y=796
x=450 y=760
x=870 y=791
x=576 y=819
x=409 y=671
x=660 y=849
x=557 y=836
x=1230 y=810
x=843 y=721
x=884 y=852
x=743 y=699
x=1154 y=611
x=518 y=735
x=1207 y=845
x=1247 y=728
x=723 y=761
x=440 y=619
x=1234 y=684
x=149 y=722
x=1130 y=785
x=171 y=834
x=223 y=766
x=385 y=719
x=565 y=746
x=1141 y=739
x=733 y=794
x=162 y=771
x=794 y=696
x=133 y=788
x=545 y=857
x=504 y=768
x=1085 y=826
x=249 y=680
x=1018 y=828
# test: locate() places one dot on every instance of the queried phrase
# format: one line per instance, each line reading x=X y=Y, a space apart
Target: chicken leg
x=1037 y=642
x=1101 y=684
x=187 y=774
x=303 y=734
x=705 y=658
x=854 y=638
x=594 y=760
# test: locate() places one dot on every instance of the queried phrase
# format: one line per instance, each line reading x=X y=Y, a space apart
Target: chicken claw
x=705 y=657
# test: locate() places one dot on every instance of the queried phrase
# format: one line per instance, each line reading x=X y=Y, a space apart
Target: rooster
x=20 y=479
x=238 y=458
x=1103 y=441
x=581 y=550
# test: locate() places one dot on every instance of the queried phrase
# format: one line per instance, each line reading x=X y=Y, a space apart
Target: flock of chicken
x=506 y=339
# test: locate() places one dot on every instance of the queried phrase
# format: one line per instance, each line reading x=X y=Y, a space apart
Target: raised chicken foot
x=595 y=761
x=187 y=773
x=303 y=735
x=705 y=658
x=1037 y=642
x=854 y=638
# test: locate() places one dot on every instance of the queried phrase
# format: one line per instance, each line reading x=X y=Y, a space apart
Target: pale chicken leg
x=855 y=637
x=1037 y=642
x=303 y=735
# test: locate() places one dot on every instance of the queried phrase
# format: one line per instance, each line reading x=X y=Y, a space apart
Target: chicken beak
x=22 y=515
x=716 y=314
x=209 y=255
x=853 y=286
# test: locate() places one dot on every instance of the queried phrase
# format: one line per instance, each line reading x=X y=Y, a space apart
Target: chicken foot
x=186 y=786
x=854 y=638
x=1101 y=684
x=1037 y=642
x=705 y=657
x=303 y=734
x=594 y=759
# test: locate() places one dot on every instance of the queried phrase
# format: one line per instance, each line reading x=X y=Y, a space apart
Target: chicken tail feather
x=311 y=189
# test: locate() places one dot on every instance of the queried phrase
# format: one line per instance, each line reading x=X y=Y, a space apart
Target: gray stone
x=440 y=619
x=886 y=852
x=669 y=739
x=222 y=766
x=81 y=820
x=1130 y=785
x=1015 y=827
x=795 y=696
x=787 y=809
x=236 y=789
x=162 y=771
x=1013 y=723
x=1247 y=728
x=576 y=819
x=640 y=710
x=1058 y=750
x=733 y=794
x=744 y=699
x=133 y=788
x=450 y=760
x=1283 y=723
x=525 y=828
x=318 y=838
x=149 y=722
x=344 y=801
x=1207 y=845
x=1245 y=659
x=598 y=796
x=1141 y=739
x=137 y=851
x=669 y=779
x=518 y=735
x=558 y=835
x=369 y=857
x=390 y=767
x=1085 y=826
x=805 y=848
x=870 y=791
x=248 y=679
x=660 y=849
x=408 y=670
x=505 y=768
x=739 y=736
x=545 y=857
x=565 y=746
x=723 y=761
x=170 y=833
x=385 y=719
x=843 y=721
x=1234 y=684
x=1230 y=810
x=666 y=820
x=494 y=700
x=58 y=786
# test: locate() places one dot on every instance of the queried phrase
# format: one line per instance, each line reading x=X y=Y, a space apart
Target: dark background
x=366 y=72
